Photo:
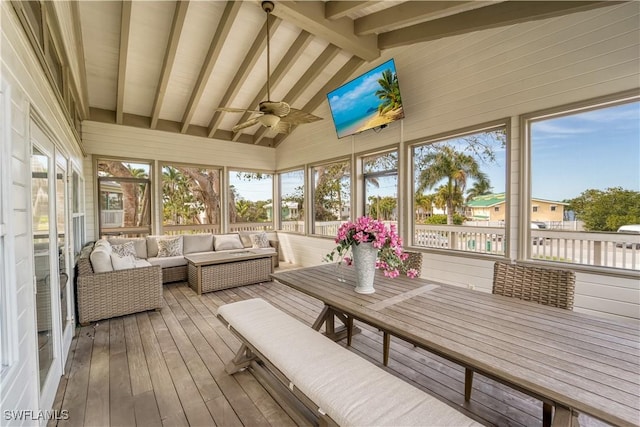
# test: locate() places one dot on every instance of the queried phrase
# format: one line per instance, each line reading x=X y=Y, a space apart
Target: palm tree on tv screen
x=389 y=92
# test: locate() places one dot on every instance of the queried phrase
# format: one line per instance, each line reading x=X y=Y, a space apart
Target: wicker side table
x=212 y=272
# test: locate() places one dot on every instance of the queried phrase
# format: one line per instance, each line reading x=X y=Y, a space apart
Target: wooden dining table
x=572 y=360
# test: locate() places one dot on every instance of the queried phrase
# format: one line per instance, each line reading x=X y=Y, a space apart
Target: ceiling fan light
x=269 y=120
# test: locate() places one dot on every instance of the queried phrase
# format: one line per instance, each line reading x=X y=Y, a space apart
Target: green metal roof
x=486 y=201
x=489 y=200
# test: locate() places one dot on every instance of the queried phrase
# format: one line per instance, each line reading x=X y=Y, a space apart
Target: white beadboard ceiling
x=169 y=65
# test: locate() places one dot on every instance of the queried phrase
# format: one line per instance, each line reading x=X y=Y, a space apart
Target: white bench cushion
x=168 y=261
x=350 y=389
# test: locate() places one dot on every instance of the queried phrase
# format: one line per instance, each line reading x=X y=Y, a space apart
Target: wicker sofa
x=104 y=292
x=116 y=293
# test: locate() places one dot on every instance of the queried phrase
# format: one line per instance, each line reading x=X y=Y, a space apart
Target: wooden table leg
x=386 y=343
x=468 y=383
x=547 y=410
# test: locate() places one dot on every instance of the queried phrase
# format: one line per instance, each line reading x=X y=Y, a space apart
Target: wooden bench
x=336 y=386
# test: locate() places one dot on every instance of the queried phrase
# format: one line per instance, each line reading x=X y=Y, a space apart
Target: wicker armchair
x=541 y=285
x=116 y=293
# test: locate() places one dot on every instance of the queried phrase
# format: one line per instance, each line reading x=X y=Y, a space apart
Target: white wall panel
x=30 y=90
x=466 y=80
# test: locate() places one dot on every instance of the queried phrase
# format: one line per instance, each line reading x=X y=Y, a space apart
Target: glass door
x=41 y=214
x=64 y=254
x=50 y=266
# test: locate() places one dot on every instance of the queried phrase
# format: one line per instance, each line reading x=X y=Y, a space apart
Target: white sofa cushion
x=101 y=259
x=166 y=262
x=152 y=246
x=140 y=244
x=170 y=246
x=122 y=262
x=142 y=263
x=223 y=242
x=193 y=243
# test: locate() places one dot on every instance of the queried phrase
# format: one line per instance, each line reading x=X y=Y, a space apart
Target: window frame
x=144 y=230
x=305 y=199
x=524 y=249
x=159 y=197
x=311 y=229
x=505 y=124
x=235 y=226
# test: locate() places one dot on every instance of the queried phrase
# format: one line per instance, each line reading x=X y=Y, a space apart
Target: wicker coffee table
x=215 y=271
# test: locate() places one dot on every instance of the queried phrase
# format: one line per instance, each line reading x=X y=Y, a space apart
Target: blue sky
x=597 y=149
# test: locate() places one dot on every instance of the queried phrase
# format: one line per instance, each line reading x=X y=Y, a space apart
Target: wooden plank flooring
x=166 y=368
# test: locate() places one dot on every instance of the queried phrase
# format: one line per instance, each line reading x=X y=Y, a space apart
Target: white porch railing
x=598 y=249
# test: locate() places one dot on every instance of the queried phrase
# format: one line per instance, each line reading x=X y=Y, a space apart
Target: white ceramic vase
x=364 y=261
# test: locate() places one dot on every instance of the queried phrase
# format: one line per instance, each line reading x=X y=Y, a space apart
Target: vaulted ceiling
x=170 y=65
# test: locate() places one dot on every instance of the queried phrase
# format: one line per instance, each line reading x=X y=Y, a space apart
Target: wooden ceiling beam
x=340 y=9
x=310 y=16
x=169 y=58
x=339 y=78
x=243 y=72
x=498 y=15
x=125 y=29
x=411 y=13
x=227 y=19
x=304 y=82
x=296 y=49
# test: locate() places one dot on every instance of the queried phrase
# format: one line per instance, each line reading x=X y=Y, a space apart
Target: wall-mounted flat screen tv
x=368 y=101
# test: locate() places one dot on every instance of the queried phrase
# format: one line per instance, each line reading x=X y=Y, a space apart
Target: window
x=250 y=201
x=124 y=190
x=292 y=201
x=78 y=216
x=331 y=196
x=596 y=192
x=456 y=182
x=190 y=199
x=534 y=209
x=380 y=174
x=496 y=209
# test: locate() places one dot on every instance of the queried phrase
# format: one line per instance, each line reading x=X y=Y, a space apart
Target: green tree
x=607 y=210
x=441 y=219
x=455 y=168
x=479 y=187
x=382 y=208
x=389 y=92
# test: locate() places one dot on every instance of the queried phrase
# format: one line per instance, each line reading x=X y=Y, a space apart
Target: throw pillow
x=260 y=240
x=224 y=242
x=125 y=249
x=122 y=262
x=170 y=246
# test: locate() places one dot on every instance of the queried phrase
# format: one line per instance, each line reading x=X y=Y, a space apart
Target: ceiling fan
x=276 y=115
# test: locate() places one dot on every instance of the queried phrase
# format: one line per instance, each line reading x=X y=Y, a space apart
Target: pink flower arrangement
x=391 y=256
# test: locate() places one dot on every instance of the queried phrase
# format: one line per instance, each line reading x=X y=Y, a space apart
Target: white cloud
x=349 y=99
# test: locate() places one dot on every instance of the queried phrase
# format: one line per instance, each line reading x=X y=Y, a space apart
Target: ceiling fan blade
x=246 y=124
x=283 y=127
x=296 y=117
x=236 y=110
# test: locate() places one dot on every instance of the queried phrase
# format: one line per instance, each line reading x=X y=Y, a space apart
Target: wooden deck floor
x=166 y=368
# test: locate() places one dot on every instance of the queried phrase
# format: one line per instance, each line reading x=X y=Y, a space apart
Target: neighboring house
x=289 y=211
x=491 y=207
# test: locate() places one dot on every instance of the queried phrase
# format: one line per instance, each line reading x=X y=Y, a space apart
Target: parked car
x=538 y=225
x=633 y=229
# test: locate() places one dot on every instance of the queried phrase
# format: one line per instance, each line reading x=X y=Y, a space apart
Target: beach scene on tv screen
x=371 y=100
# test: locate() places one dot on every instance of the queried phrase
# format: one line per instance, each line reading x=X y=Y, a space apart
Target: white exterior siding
x=489 y=75
x=30 y=92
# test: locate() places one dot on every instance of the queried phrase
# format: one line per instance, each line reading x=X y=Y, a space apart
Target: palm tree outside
x=455 y=168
